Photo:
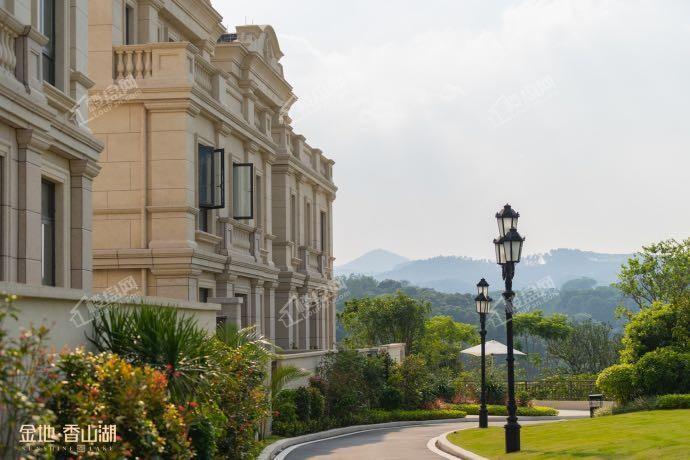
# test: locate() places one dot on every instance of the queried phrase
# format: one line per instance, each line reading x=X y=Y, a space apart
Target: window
x=211 y=177
x=47 y=18
x=322 y=228
x=129 y=25
x=204 y=294
x=48 y=233
x=204 y=219
x=243 y=190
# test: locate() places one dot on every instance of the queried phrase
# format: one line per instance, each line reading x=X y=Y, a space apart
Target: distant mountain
x=460 y=274
x=371 y=263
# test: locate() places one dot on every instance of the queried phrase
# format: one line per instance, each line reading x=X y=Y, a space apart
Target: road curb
x=443 y=444
x=277 y=447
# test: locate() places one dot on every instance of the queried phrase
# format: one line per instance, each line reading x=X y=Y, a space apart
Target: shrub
x=27 y=379
x=534 y=411
x=523 y=398
x=674 y=401
x=382 y=416
x=346 y=389
x=317 y=403
x=412 y=379
x=442 y=384
x=303 y=404
x=105 y=389
x=495 y=392
x=391 y=398
x=663 y=371
x=618 y=382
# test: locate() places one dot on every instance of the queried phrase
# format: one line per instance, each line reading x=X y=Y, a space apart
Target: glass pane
x=205 y=176
x=48 y=233
x=47 y=24
x=242 y=199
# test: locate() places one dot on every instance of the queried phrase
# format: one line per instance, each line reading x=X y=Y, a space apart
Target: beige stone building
x=206 y=194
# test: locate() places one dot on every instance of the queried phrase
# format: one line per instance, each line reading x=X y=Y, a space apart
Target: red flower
x=180 y=408
x=193 y=404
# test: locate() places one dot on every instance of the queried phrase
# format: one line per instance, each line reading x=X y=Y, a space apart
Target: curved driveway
x=408 y=442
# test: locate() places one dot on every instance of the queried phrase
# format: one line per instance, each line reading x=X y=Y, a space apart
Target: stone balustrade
x=8 y=58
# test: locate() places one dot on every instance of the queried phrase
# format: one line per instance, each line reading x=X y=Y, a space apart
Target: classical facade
x=206 y=194
x=48 y=158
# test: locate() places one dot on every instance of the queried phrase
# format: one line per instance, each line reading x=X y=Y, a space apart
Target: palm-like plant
x=283 y=375
x=161 y=338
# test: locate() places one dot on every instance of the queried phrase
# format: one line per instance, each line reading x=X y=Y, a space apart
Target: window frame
x=49 y=51
x=217 y=159
x=47 y=219
x=251 y=191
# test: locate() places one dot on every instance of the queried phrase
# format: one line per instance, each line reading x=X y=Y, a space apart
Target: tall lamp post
x=508 y=251
x=483 y=303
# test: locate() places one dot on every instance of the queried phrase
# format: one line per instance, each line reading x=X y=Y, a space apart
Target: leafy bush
x=534 y=411
x=663 y=371
x=564 y=387
x=105 y=389
x=673 y=401
x=523 y=398
x=495 y=392
x=413 y=378
x=382 y=416
x=317 y=403
x=442 y=384
x=618 y=382
x=27 y=379
x=302 y=404
x=346 y=386
x=391 y=398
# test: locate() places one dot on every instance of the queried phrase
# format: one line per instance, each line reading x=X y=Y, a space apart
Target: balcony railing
x=8 y=59
x=164 y=64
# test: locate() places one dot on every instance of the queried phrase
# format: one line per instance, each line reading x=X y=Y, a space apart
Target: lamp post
x=508 y=251
x=483 y=303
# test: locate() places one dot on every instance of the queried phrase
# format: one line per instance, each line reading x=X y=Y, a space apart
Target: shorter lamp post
x=483 y=303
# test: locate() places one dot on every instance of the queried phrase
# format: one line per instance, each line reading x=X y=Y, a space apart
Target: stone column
x=82 y=173
x=148 y=20
x=284 y=336
x=270 y=311
x=29 y=243
x=256 y=304
x=323 y=304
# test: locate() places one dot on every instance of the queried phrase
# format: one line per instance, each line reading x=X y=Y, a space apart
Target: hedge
x=534 y=411
x=673 y=402
x=664 y=402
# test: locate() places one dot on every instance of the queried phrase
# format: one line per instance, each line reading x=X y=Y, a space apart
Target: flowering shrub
x=27 y=379
x=104 y=389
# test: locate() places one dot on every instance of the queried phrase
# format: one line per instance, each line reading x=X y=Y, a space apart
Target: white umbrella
x=493 y=348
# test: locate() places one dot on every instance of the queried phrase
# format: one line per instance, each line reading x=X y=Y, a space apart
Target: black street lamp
x=508 y=252
x=483 y=303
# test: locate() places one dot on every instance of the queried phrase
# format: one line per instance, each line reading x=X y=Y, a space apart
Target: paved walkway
x=401 y=443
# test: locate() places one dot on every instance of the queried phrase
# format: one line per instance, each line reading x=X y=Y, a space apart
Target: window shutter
x=243 y=190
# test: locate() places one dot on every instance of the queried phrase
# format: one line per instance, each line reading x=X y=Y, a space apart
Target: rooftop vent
x=227 y=38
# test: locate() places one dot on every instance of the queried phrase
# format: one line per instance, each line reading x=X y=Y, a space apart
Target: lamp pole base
x=512 y=437
x=483 y=418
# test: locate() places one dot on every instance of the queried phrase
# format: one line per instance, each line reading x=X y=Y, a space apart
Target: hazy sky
x=439 y=112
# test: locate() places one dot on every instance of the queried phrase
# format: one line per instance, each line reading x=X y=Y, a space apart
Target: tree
x=392 y=318
x=535 y=325
x=660 y=273
x=589 y=347
x=443 y=339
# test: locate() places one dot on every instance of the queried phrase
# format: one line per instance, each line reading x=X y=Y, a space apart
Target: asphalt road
x=407 y=442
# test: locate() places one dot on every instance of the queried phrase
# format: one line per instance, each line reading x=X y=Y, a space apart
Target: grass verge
x=639 y=435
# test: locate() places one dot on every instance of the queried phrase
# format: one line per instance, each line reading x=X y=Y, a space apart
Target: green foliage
x=563 y=387
x=390 y=398
x=283 y=375
x=660 y=273
x=663 y=371
x=659 y=325
x=302 y=404
x=391 y=318
x=524 y=411
x=442 y=341
x=346 y=386
x=382 y=416
x=105 y=389
x=27 y=378
x=317 y=403
x=412 y=378
x=535 y=324
x=588 y=347
x=161 y=338
x=618 y=382
x=673 y=401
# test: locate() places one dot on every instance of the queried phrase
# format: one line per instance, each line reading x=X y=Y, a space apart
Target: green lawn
x=643 y=435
